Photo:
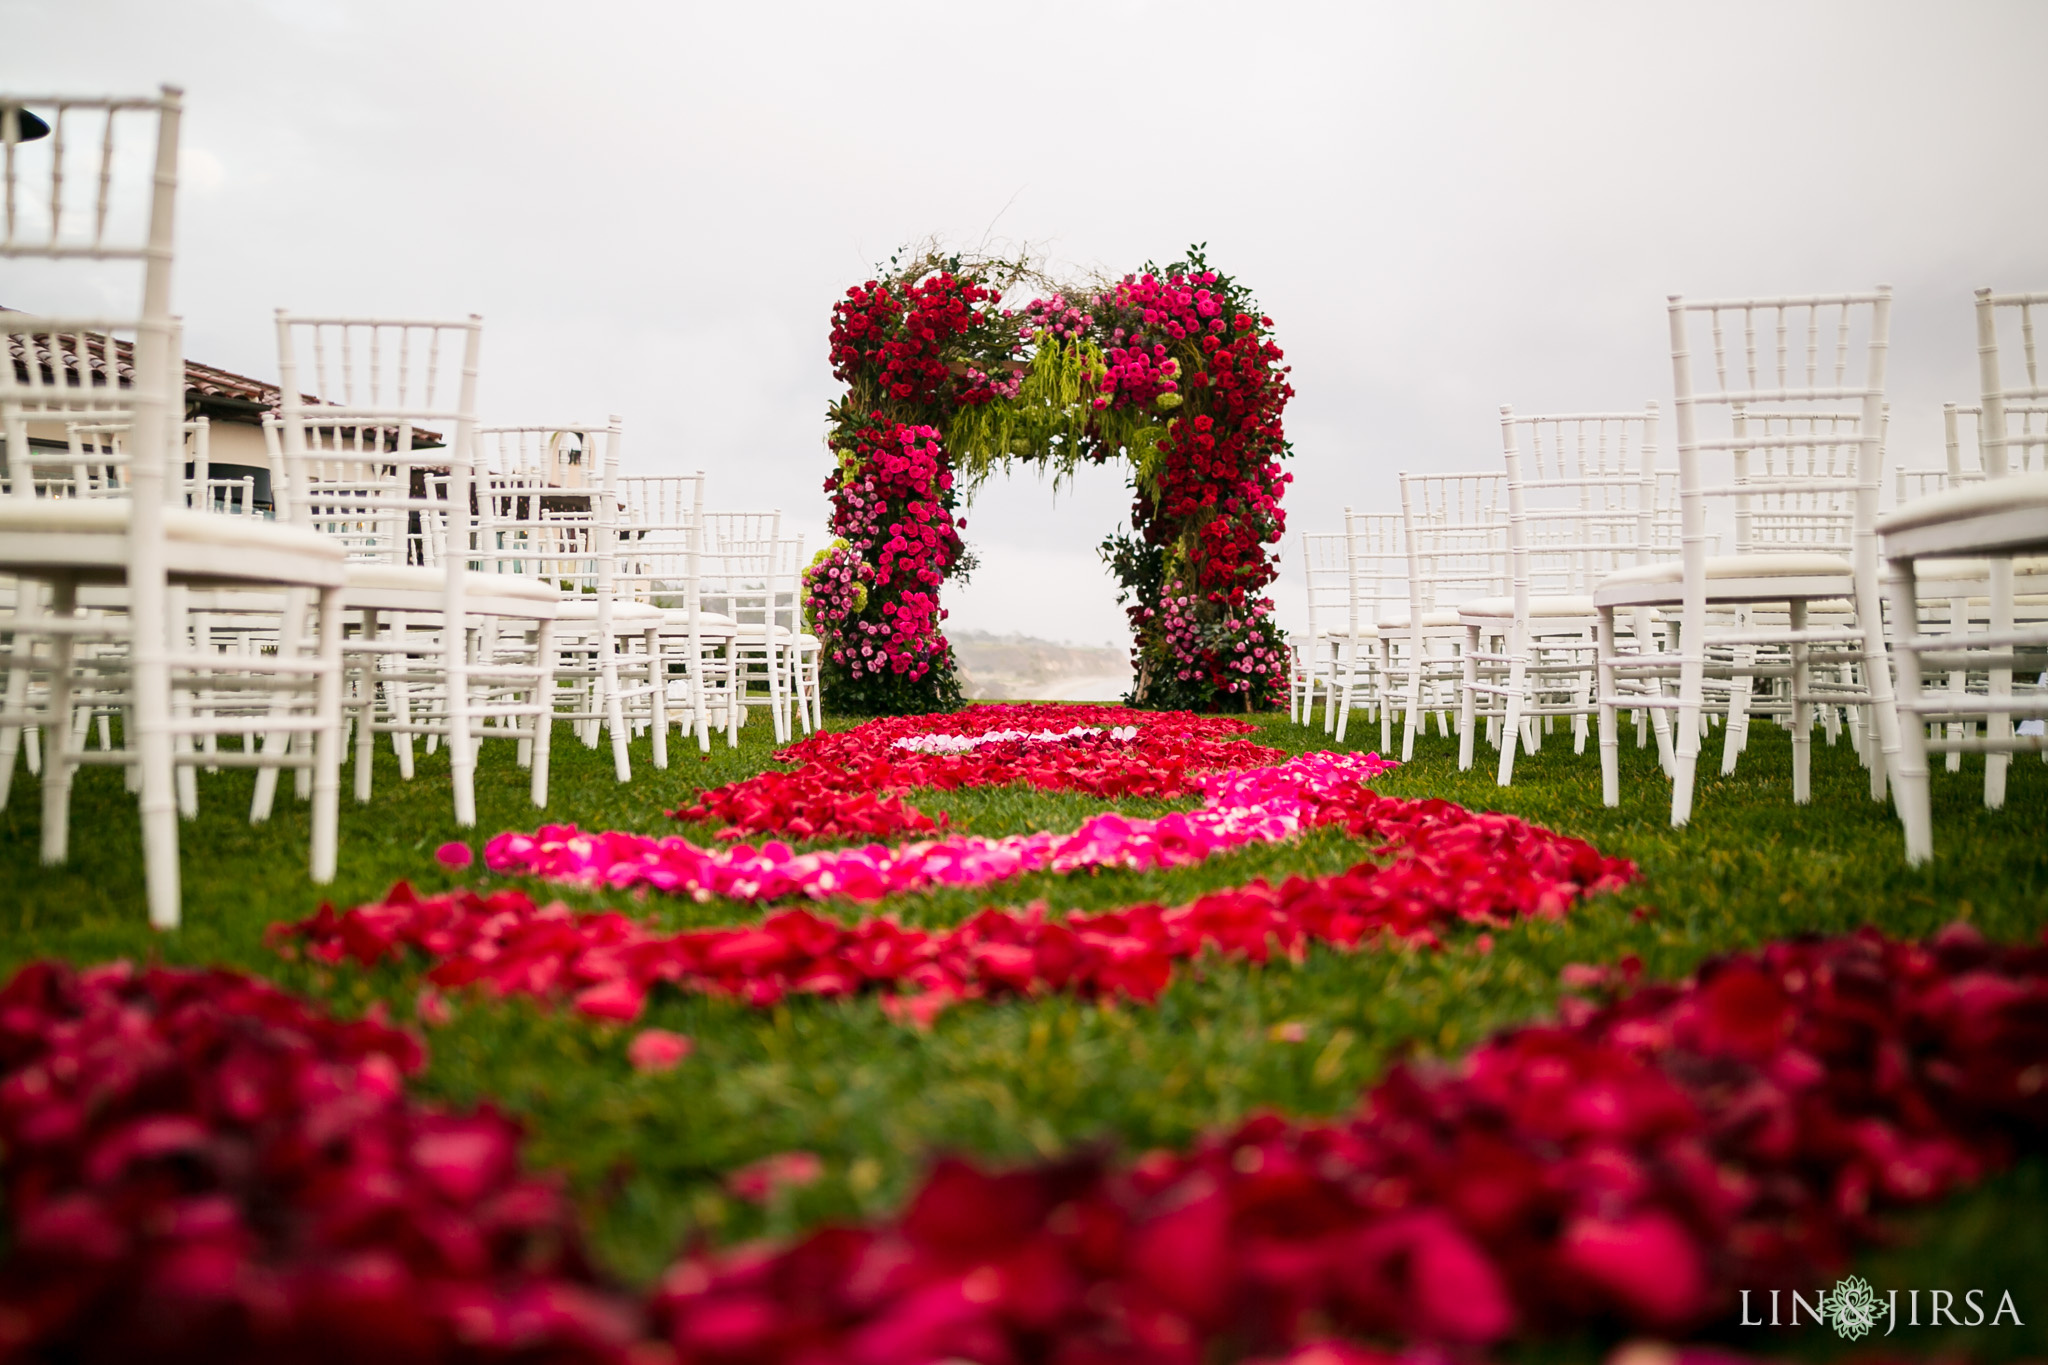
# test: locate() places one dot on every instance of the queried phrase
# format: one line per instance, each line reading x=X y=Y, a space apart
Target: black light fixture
x=28 y=126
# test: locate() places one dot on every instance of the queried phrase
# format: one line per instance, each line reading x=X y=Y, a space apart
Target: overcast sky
x=1445 y=207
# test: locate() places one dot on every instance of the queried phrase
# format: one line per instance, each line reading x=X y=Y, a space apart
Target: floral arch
x=1171 y=369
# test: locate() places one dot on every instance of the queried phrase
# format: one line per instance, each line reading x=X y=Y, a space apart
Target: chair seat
x=1540 y=605
x=1996 y=515
x=677 y=619
x=1345 y=634
x=1946 y=569
x=583 y=607
x=1967 y=500
x=427 y=582
x=1732 y=578
x=1438 y=616
x=1792 y=565
x=88 y=538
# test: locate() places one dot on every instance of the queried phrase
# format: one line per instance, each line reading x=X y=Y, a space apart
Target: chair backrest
x=1801 y=490
x=1785 y=423
x=1326 y=567
x=1919 y=483
x=755 y=582
x=736 y=528
x=1456 y=531
x=660 y=537
x=1583 y=497
x=547 y=503
x=1376 y=555
x=93 y=190
x=94 y=464
x=2009 y=436
x=1963 y=448
x=377 y=425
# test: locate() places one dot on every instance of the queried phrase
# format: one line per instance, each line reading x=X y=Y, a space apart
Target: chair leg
x=1911 y=787
x=1337 y=706
x=149 y=679
x=1332 y=705
x=398 y=693
x=800 y=700
x=1735 y=730
x=1877 y=677
x=1610 y=741
x=1802 y=713
x=1386 y=697
x=1468 y=698
x=544 y=714
x=614 y=706
x=657 y=697
x=737 y=712
x=10 y=742
x=697 y=690
x=778 y=695
x=1691 y=694
x=461 y=743
x=1998 y=727
x=1511 y=723
x=1582 y=697
x=186 y=775
x=1418 y=659
x=1958 y=678
x=367 y=668
x=290 y=636
x=325 y=801
x=57 y=763
x=20 y=651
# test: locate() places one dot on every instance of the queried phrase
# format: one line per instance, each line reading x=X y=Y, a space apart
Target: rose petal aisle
x=1626 y=1167
x=851 y=782
x=1257 y=805
x=200 y=1166
x=1447 y=865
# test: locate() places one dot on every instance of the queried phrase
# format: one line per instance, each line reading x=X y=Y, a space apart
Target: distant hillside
x=1020 y=668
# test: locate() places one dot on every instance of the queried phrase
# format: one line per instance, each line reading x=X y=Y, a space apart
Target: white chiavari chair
x=1583 y=501
x=1954 y=594
x=553 y=511
x=125 y=373
x=756 y=584
x=1990 y=522
x=451 y=645
x=805 y=650
x=1455 y=527
x=1326 y=572
x=738 y=555
x=1376 y=586
x=661 y=556
x=1798 y=386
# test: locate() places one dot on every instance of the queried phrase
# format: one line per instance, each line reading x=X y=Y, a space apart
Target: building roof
x=219 y=394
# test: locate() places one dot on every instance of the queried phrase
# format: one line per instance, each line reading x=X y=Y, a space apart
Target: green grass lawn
x=647 y=1154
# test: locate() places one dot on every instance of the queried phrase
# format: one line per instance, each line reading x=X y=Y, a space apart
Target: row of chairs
x=1582 y=581
x=421 y=577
